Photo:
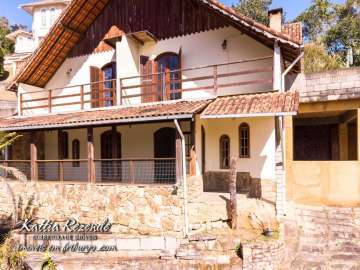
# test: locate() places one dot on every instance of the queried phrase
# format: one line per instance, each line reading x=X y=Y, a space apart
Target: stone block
x=152 y=243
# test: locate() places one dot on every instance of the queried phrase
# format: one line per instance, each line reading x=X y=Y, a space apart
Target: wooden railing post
x=61 y=171
x=91 y=155
x=20 y=104
x=82 y=97
x=119 y=92
x=216 y=80
x=132 y=171
x=33 y=162
x=50 y=101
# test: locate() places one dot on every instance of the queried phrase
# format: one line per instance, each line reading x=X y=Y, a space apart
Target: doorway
x=164 y=154
x=111 y=155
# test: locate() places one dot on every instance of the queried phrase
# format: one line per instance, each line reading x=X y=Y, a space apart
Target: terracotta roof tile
x=250 y=104
x=97 y=117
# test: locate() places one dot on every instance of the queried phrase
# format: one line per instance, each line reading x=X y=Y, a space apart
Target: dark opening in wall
x=326 y=136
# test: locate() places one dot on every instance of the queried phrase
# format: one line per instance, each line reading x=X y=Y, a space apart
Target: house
x=44 y=13
x=150 y=93
x=322 y=141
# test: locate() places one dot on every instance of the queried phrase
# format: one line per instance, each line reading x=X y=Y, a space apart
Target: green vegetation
x=331 y=31
x=10 y=258
x=255 y=9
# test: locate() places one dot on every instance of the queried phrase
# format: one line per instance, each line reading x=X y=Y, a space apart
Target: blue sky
x=9 y=9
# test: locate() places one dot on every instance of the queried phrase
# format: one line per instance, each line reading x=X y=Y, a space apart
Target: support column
x=358 y=134
x=33 y=159
x=179 y=159
x=277 y=67
x=343 y=141
x=91 y=155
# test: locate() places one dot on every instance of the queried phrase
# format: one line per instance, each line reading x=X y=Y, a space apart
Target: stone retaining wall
x=142 y=210
x=264 y=255
x=322 y=237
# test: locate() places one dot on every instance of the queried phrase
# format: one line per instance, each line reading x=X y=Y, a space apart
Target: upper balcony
x=166 y=84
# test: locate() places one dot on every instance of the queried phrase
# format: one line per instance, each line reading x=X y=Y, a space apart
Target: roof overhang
x=246 y=115
x=29 y=8
x=268 y=104
x=72 y=25
x=12 y=36
x=102 y=123
x=107 y=116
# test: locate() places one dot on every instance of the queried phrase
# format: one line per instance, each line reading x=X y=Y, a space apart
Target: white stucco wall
x=24 y=44
x=38 y=28
x=261 y=163
x=137 y=141
x=197 y=50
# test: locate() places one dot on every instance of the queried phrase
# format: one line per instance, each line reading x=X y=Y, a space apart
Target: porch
x=138 y=153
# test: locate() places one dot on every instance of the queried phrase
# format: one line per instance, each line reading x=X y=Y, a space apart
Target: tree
x=316 y=19
x=337 y=26
x=317 y=59
x=255 y=9
x=345 y=34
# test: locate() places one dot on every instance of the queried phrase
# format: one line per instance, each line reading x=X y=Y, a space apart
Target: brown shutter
x=97 y=89
x=179 y=75
x=148 y=82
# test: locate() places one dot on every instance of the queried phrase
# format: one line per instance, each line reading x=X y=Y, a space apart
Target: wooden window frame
x=221 y=150
x=246 y=148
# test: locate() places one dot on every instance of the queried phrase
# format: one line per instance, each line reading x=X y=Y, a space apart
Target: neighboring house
x=322 y=149
x=44 y=14
x=129 y=92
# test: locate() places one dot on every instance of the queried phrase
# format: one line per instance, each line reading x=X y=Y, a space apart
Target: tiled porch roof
x=153 y=112
x=270 y=103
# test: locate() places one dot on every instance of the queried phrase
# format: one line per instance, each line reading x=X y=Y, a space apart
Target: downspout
x=186 y=217
x=282 y=127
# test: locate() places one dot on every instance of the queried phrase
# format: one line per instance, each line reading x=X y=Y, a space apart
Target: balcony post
x=215 y=80
x=20 y=106
x=82 y=97
x=91 y=155
x=49 y=100
x=33 y=160
x=118 y=92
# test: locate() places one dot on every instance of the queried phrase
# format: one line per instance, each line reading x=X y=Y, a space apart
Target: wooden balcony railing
x=79 y=97
x=234 y=77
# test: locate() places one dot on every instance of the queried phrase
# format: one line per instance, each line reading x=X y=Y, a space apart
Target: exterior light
x=224 y=44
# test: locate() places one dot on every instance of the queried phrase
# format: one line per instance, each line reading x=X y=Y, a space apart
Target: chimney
x=275 y=17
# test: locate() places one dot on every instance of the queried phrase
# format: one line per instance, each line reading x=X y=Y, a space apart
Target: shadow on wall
x=218 y=181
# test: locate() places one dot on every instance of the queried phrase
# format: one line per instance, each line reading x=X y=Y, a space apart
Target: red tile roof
x=106 y=116
x=63 y=39
x=271 y=103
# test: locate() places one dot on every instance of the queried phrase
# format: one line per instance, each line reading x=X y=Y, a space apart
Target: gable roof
x=81 y=14
x=13 y=35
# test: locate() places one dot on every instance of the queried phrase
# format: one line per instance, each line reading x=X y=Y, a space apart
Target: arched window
x=167 y=62
x=109 y=71
x=224 y=152
x=76 y=152
x=52 y=15
x=244 y=140
x=43 y=17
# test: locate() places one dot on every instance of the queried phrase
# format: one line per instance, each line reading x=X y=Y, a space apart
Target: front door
x=165 y=153
x=111 y=155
